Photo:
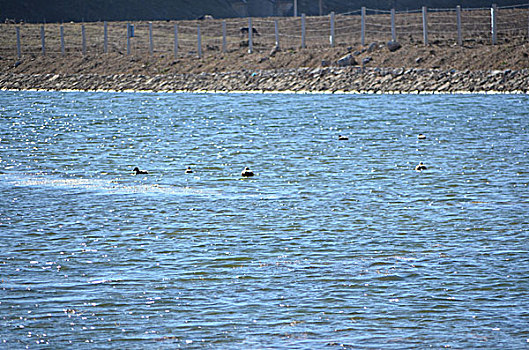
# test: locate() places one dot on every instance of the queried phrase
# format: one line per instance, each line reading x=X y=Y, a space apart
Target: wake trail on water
x=103 y=186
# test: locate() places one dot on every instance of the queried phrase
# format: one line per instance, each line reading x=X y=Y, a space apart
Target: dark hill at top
x=117 y=10
x=111 y=10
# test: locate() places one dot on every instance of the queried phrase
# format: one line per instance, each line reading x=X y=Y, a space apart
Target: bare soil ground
x=484 y=57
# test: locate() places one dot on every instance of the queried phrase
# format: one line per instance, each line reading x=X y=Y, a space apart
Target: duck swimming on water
x=420 y=167
x=421 y=136
x=139 y=172
x=342 y=138
x=189 y=170
x=247 y=172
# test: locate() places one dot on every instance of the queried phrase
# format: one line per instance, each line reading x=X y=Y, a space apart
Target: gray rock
x=393 y=45
x=372 y=47
x=367 y=60
x=275 y=50
x=347 y=60
x=325 y=63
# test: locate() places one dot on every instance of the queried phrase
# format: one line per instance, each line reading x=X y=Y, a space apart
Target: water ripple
x=333 y=244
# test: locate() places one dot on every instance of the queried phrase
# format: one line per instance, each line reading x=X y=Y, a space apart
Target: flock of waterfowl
x=418 y=167
x=421 y=166
x=248 y=173
x=245 y=173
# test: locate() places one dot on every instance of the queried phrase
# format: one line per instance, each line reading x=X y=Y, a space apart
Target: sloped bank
x=325 y=79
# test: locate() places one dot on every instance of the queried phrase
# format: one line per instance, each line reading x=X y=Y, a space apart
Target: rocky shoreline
x=301 y=80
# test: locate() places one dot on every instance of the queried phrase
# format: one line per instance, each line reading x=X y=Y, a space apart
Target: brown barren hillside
x=481 y=57
x=475 y=52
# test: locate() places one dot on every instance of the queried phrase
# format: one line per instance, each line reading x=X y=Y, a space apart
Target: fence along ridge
x=192 y=36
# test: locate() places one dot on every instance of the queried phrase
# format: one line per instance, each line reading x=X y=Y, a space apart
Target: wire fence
x=496 y=25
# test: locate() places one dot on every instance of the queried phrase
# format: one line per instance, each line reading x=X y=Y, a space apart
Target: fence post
x=199 y=42
x=459 y=35
x=332 y=29
x=321 y=7
x=393 y=32
x=425 y=25
x=19 y=51
x=494 y=29
x=363 y=26
x=302 y=30
x=224 y=49
x=276 y=29
x=295 y=8
x=151 y=45
x=250 y=36
x=83 y=34
x=61 y=30
x=42 y=40
x=128 y=38
x=105 y=37
x=175 y=40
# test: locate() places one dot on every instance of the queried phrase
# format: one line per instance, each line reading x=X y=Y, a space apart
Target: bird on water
x=138 y=171
x=342 y=137
x=421 y=136
x=189 y=170
x=420 y=167
x=247 y=172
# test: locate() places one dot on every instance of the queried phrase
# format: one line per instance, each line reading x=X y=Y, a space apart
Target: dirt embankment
x=481 y=57
x=441 y=66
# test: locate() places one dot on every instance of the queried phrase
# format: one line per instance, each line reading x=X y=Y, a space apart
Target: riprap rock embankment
x=324 y=79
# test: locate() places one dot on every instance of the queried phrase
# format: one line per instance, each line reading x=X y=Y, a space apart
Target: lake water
x=333 y=244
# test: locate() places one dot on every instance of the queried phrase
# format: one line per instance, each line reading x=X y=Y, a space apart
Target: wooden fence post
x=250 y=37
x=393 y=31
x=61 y=30
x=105 y=37
x=199 y=42
x=276 y=29
x=363 y=26
x=42 y=40
x=425 y=25
x=332 y=29
x=224 y=46
x=459 y=34
x=83 y=35
x=175 y=40
x=151 y=45
x=128 y=38
x=295 y=8
x=494 y=29
x=302 y=30
x=19 y=51
x=321 y=7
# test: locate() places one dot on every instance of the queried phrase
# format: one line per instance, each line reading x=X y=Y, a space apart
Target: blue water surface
x=332 y=244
